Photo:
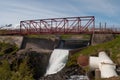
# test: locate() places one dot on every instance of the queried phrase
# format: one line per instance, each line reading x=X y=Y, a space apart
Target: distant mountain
x=10 y=26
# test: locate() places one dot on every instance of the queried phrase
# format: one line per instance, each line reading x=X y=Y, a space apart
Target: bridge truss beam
x=67 y=25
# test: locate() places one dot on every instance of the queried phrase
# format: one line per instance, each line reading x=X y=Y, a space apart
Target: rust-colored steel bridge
x=68 y=25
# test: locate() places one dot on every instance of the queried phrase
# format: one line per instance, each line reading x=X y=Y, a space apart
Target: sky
x=14 y=11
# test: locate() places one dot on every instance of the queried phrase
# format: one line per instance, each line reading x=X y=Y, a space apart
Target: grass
x=69 y=36
x=41 y=36
x=6 y=48
x=22 y=73
x=63 y=36
x=111 y=47
x=13 y=71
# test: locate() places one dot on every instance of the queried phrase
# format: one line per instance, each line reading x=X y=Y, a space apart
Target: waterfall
x=57 y=61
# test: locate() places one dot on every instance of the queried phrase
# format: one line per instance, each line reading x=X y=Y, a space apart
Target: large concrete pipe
x=106 y=66
x=93 y=63
x=104 y=63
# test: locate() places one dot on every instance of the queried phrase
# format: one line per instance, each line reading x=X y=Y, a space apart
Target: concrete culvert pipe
x=93 y=63
x=106 y=66
x=104 y=63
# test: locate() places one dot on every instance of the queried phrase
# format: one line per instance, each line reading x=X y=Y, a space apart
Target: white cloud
x=14 y=11
x=21 y=11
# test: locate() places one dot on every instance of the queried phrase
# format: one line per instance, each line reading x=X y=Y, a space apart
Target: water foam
x=57 y=61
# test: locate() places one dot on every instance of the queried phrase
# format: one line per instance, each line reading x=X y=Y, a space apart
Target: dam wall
x=12 y=40
x=39 y=44
x=33 y=44
x=45 y=45
x=101 y=38
x=73 y=43
x=48 y=44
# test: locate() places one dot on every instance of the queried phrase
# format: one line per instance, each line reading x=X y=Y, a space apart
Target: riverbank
x=28 y=64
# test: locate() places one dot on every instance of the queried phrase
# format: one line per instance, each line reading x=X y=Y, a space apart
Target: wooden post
x=97 y=74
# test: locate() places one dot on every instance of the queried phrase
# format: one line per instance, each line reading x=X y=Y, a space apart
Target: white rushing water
x=57 y=61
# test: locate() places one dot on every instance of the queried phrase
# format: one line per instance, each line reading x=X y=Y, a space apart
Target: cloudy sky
x=13 y=11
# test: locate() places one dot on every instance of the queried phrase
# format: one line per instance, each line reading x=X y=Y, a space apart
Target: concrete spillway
x=104 y=64
x=57 y=61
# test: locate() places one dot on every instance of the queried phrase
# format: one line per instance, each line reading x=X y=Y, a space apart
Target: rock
x=36 y=61
x=57 y=76
x=65 y=73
